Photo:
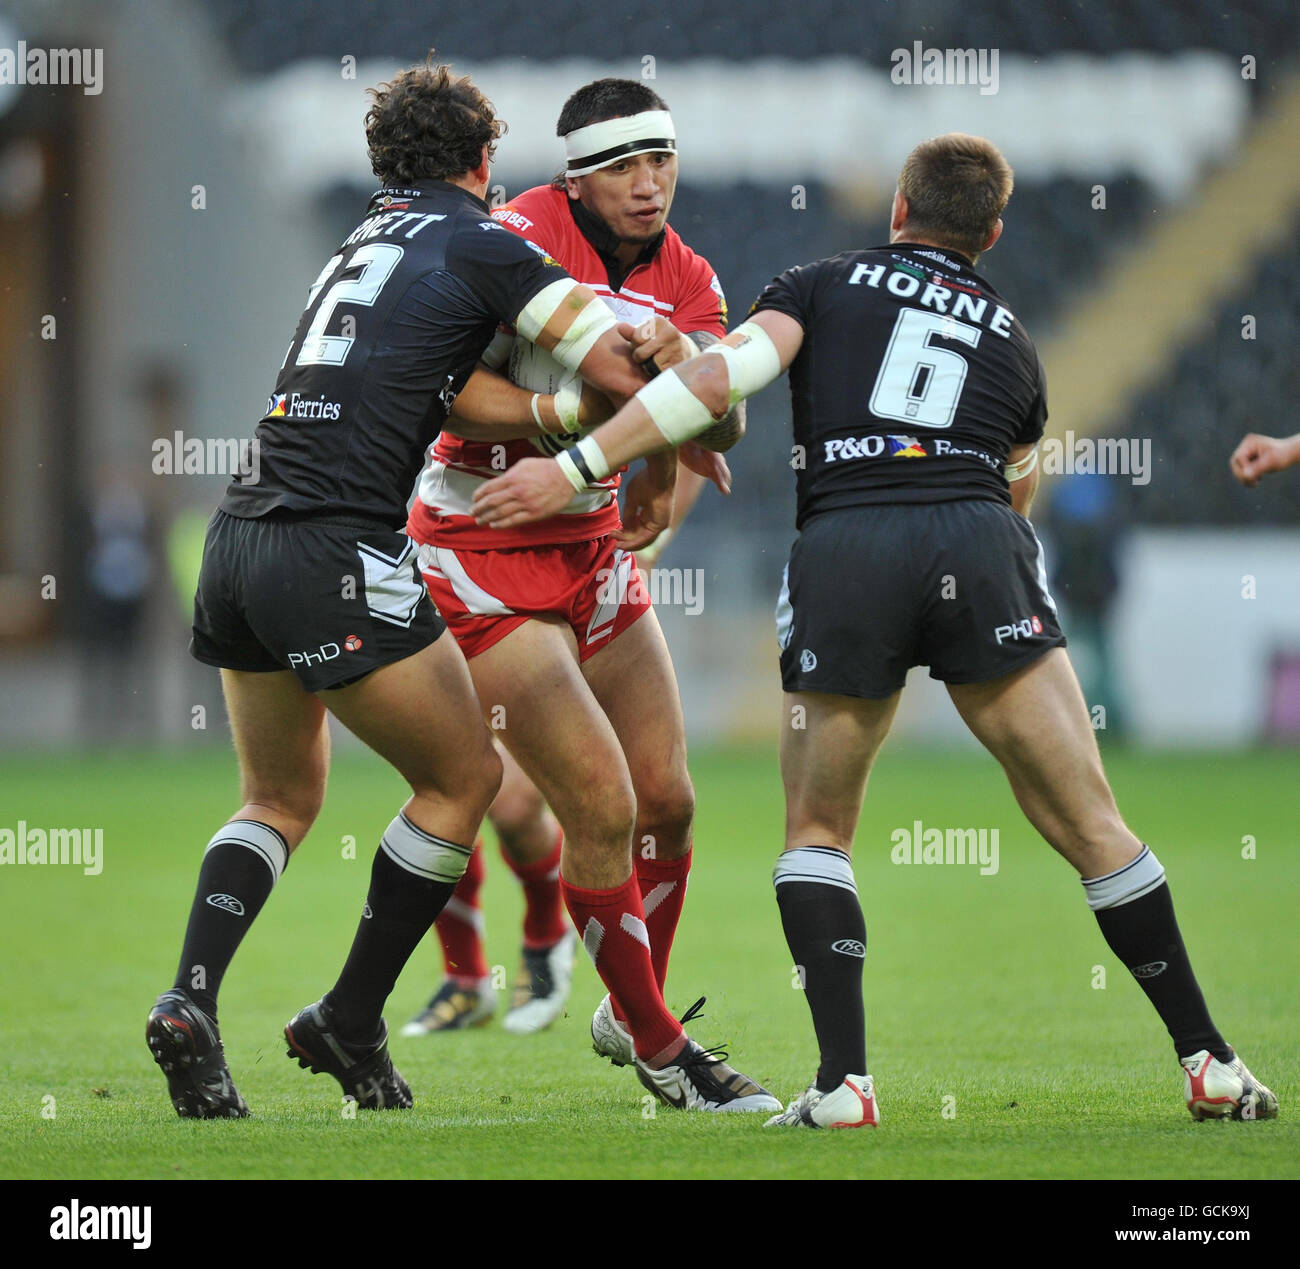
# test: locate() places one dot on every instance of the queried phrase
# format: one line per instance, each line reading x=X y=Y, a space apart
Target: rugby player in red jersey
x=567 y=656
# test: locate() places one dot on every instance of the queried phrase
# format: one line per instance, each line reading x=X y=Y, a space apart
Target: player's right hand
x=707 y=463
x=657 y=341
x=532 y=489
x=1258 y=455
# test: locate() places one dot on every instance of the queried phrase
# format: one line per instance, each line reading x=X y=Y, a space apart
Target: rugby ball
x=534 y=368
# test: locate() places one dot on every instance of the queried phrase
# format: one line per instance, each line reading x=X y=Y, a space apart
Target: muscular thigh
x=1036 y=724
x=421 y=714
x=633 y=680
x=539 y=706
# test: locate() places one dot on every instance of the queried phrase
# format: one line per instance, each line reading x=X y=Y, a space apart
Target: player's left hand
x=532 y=489
x=659 y=339
x=647 y=510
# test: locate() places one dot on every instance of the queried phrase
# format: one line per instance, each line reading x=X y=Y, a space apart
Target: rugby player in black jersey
x=310 y=597
x=918 y=404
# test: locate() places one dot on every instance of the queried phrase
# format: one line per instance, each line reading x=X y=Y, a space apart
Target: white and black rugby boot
x=699 y=1079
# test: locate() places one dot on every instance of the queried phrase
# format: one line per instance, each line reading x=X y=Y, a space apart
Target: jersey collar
x=605 y=244
x=944 y=253
x=396 y=195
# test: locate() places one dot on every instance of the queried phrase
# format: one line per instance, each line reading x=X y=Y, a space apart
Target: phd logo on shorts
x=1025 y=628
x=326 y=652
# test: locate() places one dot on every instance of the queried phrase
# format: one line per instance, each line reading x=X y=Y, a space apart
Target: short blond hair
x=956 y=187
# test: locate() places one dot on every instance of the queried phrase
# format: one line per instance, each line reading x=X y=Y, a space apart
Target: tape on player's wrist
x=583 y=464
x=568 y=404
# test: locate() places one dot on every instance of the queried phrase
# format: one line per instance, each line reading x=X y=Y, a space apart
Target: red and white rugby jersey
x=669 y=280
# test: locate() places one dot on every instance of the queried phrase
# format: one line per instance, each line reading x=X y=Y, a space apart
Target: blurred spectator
x=1087 y=528
x=120 y=568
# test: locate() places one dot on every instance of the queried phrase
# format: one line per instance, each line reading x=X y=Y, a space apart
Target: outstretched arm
x=673 y=408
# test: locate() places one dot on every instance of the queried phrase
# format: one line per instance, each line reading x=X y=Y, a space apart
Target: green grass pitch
x=995 y=1052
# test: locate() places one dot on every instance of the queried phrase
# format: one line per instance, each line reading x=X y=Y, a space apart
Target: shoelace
x=705 y=1057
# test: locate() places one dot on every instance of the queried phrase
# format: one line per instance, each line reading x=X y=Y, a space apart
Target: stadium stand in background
x=1137 y=306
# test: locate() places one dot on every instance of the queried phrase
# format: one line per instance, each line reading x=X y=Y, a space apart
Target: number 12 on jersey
x=376 y=260
x=919 y=382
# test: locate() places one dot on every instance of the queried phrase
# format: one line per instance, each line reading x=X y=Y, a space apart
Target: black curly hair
x=428 y=124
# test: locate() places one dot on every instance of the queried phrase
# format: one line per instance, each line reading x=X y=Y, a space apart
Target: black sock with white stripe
x=1136 y=914
x=241 y=865
x=412 y=878
x=827 y=935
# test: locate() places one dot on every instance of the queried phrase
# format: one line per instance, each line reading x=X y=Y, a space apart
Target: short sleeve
x=505 y=271
x=702 y=306
x=789 y=293
x=1031 y=431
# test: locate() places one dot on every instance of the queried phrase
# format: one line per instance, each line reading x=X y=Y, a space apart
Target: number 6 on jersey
x=921 y=383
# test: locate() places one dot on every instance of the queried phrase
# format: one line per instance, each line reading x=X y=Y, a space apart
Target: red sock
x=544 y=919
x=613 y=932
x=460 y=924
x=663 y=891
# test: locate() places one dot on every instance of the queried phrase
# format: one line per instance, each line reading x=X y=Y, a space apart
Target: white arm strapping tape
x=592 y=455
x=1018 y=471
x=541 y=308
x=585 y=329
x=752 y=365
x=497 y=353
x=679 y=414
x=673 y=408
x=568 y=402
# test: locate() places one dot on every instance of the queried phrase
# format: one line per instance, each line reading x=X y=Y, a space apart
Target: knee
x=605 y=816
x=488 y=772
x=517 y=807
x=666 y=807
x=292 y=809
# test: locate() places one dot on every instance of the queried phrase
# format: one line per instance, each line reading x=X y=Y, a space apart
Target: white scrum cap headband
x=600 y=144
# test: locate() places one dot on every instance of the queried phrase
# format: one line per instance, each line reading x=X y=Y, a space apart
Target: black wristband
x=579 y=460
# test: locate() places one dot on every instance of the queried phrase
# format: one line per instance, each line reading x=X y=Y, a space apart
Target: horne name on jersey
x=924 y=379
